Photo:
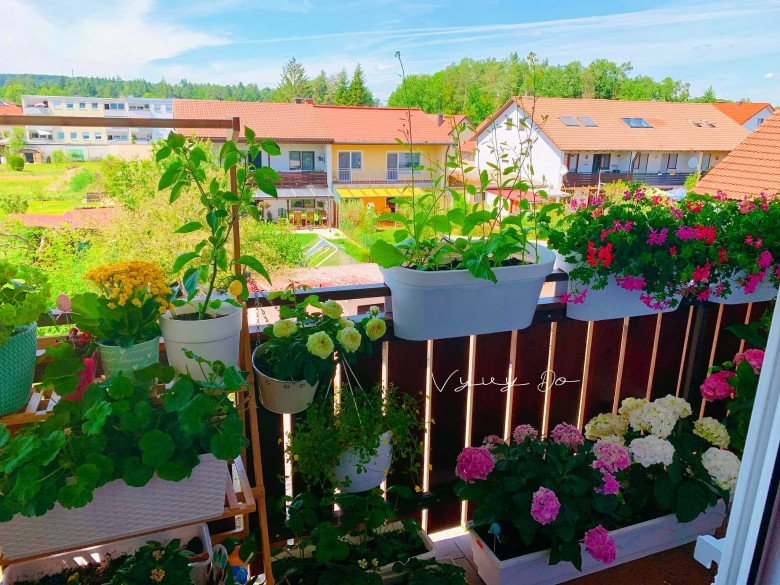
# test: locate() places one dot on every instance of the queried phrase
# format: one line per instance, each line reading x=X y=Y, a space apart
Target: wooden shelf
x=38 y=408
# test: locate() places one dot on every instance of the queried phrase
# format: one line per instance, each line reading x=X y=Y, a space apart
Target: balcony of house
x=297 y=179
x=658 y=179
x=380 y=177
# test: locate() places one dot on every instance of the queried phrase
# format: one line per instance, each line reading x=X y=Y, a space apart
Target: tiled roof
x=283 y=122
x=671 y=124
x=367 y=125
x=741 y=112
x=87 y=218
x=7 y=109
x=752 y=167
x=289 y=122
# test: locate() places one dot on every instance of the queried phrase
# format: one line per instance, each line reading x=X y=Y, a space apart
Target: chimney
x=309 y=101
x=297 y=100
x=439 y=119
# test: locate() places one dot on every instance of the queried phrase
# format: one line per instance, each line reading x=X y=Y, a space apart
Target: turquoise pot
x=17 y=366
x=117 y=359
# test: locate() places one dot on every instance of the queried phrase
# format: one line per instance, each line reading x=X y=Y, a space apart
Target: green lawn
x=351 y=248
x=52 y=207
x=35 y=182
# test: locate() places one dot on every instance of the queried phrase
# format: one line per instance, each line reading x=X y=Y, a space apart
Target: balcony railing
x=386 y=177
x=654 y=179
x=299 y=179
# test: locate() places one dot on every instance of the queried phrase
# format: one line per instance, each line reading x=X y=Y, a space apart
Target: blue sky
x=731 y=45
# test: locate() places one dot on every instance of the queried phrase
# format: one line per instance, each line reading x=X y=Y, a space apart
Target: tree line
x=477 y=88
x=340 y=88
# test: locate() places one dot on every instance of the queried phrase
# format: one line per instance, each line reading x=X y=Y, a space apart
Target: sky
x=731 y=45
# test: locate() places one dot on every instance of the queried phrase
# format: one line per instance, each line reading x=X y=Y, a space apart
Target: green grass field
x=35 y=182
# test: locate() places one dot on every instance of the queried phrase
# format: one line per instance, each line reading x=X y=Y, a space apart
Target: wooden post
x=245 y=362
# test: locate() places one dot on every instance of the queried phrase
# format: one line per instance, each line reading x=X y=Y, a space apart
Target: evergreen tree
x=341 y=89
x=320 y=88
x=294 y=83
x=358 y=94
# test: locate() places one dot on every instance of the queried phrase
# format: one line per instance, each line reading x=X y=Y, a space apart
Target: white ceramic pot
x=212 y=339
x=765 y=291
x=118 y=511
x=611 y=302
x=281 y=396
x=37 y=569
x=633 y=542
x=372 y=474
x=453 y=303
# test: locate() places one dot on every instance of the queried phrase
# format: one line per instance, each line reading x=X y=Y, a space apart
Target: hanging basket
x=368 y=476
x=283 y=396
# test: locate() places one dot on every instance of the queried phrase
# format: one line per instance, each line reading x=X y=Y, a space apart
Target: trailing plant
x=132 y=296
x=24 y=296
x=304 y=343
x=360 y=536
x=185 y=165
x=430 y=572
x=455 y=224
x=126 y=428
x=356 y=425
x=572 y=488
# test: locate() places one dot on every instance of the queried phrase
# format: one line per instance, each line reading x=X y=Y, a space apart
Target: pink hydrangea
x=755 y=357
x=600 y=545
x=491 y=441
x=611 y=485
x=545 y=506
x=610 y=457
x=523 y=432
x=474 y=463
x=716 y=387
x=566 y=434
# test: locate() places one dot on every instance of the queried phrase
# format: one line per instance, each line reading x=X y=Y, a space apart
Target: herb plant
x=24 y=297
x=302 y=345
x=124 y=428
x=155 y=563
x=188 y=165
x=361 y=418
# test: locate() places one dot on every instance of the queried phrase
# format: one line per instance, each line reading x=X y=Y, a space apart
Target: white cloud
x=769 y=75
x=119 y=38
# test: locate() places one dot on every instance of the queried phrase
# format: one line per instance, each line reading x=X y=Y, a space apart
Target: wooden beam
x=105 y=122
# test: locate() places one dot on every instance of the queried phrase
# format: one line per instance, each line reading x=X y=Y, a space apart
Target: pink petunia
x=600 y=545
x=716 y=386
x=545 y=506
x=755 y=357
x=474 y=463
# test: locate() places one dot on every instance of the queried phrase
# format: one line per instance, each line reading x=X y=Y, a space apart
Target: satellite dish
x=693 y=162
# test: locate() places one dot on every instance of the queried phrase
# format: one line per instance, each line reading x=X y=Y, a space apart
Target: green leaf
x=170 y=176
x=270 y=147
x=255 y=265
x=5 y=435
x=76 y=495
x=95 y=418
x=386 y=255
x=163 y=153
x=88 y=474
x=692 y=501
x=179 y=394
x=178 y=469
x=182 y=260
x=189 y=227
x=120 y=387
x=190 y=280
x=135 y=473
x=157 y=447
x=664 y=492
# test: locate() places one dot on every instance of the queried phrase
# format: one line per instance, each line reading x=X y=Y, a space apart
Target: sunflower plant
x=124 y=312
x=187 y=165
x=303 y=343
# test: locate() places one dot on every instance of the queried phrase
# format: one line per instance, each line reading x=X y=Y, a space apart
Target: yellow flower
x=320 y=344
x=344 y=322
x=350 y=338
x=284 y=328
x=112 y=305
x=332 y=309
x=157 y=575
x=236 y=288
x=417 y=488
x=375 y=328
x=137 y=302
x=604 y=425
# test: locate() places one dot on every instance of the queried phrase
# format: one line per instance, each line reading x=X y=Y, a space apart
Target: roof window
x=637 y=123
x=587 y=121
x=569 y=121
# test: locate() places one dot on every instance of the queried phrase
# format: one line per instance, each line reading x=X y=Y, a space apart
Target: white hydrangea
x=713 y=431
x=650 y=450
x=614 y=439
x=723 y=467
x=679 y=406
x=630 y=404
x=653 y=418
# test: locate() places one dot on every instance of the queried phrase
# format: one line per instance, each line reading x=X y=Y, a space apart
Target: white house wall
x=753 y=123
x=621 y=161
x=546 y=157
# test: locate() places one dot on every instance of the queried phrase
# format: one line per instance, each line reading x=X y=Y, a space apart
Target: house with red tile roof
x=7 y=109
x=352 y=150
x=749 y=114
x=751 y=168
x=589 y=142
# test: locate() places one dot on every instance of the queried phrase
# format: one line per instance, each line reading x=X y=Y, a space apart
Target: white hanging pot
x=453 y=303
x=611 y=302
x=369 y=476
x=765 y=291
x=212 y=339
x=283 y=396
